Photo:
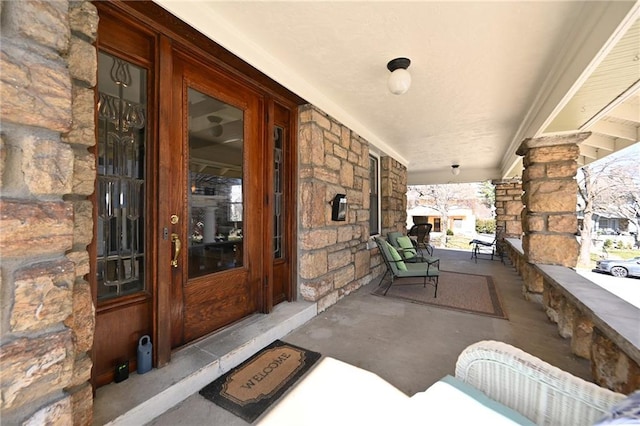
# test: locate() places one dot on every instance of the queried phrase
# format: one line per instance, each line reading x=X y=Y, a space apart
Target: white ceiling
x=486 y=75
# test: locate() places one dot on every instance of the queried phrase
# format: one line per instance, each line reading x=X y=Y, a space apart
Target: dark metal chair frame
x=427 y=270
x=422 y=232
x=490 y=249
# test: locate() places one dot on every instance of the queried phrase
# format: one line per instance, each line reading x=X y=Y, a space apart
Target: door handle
x=175 y=239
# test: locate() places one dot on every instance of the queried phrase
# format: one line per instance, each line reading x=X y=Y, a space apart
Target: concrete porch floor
x=409 y=345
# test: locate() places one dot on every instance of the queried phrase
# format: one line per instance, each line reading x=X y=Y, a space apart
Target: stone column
x=549 y=218
x=508 y=209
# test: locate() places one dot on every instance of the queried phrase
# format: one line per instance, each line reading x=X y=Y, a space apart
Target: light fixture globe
x=455 y=169
x=400 y=79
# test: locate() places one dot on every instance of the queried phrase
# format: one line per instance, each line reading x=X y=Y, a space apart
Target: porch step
x=141 y=398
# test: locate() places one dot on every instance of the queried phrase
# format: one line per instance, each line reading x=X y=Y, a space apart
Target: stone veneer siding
x=393 y=195
x=46 y=176
x=333 y=257
x=508 y=205
x=509 y=208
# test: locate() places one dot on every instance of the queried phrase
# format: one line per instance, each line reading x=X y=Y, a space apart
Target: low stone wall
x=602 y=327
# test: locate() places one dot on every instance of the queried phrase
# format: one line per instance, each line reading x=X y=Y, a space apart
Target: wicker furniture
x=541 y=392
x=495 y=384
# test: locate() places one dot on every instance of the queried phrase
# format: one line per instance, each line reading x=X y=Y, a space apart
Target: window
x=374 y=195
x=278 y=192
x=122 y=109
x=215 y=193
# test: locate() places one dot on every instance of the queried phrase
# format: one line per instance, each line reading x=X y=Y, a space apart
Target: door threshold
x=141 y=398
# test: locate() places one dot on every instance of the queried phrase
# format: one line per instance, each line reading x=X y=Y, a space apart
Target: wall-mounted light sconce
x=339 y=208
x=400 y=79
x=455 y=169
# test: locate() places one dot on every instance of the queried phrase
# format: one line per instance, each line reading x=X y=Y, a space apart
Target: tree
x=609 y=186
x=487 y=193
x=442 y=197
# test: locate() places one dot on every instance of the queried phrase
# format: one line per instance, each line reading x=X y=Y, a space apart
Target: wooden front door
x=194 y=207
x=216 y=194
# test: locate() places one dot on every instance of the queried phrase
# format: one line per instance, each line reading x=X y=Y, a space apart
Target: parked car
x=619 y=268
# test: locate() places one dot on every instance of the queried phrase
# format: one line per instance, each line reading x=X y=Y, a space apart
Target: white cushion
x=452 y=402
x=337 y=393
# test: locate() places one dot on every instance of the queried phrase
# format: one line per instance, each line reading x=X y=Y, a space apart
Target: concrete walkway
x=411 y=346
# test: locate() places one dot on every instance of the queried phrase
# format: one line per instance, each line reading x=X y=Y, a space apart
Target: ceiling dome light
x=216 y=128
x=400 y=79
x=455 y=169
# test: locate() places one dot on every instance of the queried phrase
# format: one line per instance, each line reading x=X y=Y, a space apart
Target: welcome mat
x=250 y=388
x=476 y=294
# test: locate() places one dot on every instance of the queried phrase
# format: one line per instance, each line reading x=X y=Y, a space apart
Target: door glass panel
x=278 y=178
x=122 y=100
x=215 y=193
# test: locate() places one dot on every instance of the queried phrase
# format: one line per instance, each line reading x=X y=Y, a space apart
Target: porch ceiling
x=486 y=75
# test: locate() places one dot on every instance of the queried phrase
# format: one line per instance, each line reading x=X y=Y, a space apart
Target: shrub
x=485 y=226
x=449 y=232
x=608 y=243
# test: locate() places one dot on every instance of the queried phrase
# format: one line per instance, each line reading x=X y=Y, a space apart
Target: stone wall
x=334 y=258
x=393 y=194
x=46 y=174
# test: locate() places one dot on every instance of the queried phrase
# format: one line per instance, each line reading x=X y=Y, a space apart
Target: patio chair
x=490 y=249
x=408 y=250
x=422 y=232
x=397 y=268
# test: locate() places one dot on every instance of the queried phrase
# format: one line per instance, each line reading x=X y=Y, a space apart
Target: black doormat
x=250 y=388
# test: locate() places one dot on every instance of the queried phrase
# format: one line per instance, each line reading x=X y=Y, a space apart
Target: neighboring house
x=608 y=227
x=622 y=232
x=459 y=220
x=610 y=224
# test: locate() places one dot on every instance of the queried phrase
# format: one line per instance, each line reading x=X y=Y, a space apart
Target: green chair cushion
x=408 y=251
x=419 y=269
x=396 y=257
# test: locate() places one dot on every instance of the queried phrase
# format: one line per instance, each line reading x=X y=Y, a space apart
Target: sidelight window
x=374 y=195
x=122 y=102
x=278 y=191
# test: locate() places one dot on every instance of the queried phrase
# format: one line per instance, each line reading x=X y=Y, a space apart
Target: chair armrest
x=432 y=261
x=541 y=392
x=480 y=242
x=419 y=257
